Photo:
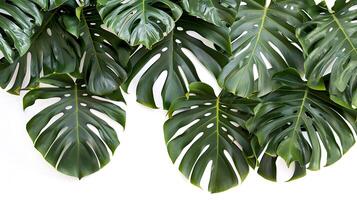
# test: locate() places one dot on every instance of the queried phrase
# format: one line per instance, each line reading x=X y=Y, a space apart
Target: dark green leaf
x=330 y=44
x=212 y=130
x=17 y=22
x=297 y=124
x=106 y=56
x=143 y=22
x=218 y=12
x=69 y=143
x=50 y=4
x=172 y=59
x=52 y=49
x=263 y=43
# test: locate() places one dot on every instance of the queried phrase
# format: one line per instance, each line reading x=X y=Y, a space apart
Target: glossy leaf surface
x=78 y=142
x=53 y=50
x=330 y=44
x=106 y=56
x=17 y=22
x=170 y=56
x=144 y=22
x=218 y=12
x=297 y=123
x=212 y=130
x=263 y=41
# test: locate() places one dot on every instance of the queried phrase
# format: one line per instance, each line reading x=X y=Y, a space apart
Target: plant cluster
x=287 y=69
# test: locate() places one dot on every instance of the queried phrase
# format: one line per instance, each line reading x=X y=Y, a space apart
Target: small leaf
x=72 y=25
x=289 y=77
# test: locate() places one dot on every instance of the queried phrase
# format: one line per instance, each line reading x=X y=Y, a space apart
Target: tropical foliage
x=287 y=71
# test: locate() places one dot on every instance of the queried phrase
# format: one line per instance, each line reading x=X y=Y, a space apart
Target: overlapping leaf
x=52 y=49
x=330 y=44
x=17 y=22
x=77 y=142
x=218 y=12
x=106 y=56
x=51 y=4
x=173 y=60
x=263 y=43
x=297 y=124
x=212 y=130
x=143 y=22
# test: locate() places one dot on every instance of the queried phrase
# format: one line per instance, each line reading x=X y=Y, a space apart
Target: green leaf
x=296 y=123
x=52 y=49
x=330 y=44
x=263 y=43
x=78 y=142
x=143 y=22
x=50 y=4
x=212 y=130
x=106 y=56
x=218 y=12
x=72 y=25
x=173 y=60
x=289 y=77
x=17 y=22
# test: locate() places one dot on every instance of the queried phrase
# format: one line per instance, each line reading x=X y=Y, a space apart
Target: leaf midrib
x=93 y=49
x=265 y=12
x=76 y=110
x=259 y=34
x=298 y=119
x=217 y=132
x=341 y=27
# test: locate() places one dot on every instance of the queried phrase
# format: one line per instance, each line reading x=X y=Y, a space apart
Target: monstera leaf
x=77 y=142
x=263 y=43
x=143 y=22
x=330 y=43
x=296 y=123
x=52 y=49
x=50 y=4
x=105 y=55
x=218 y=12
x=17 y=22
x=173 y=60
x=213 y=133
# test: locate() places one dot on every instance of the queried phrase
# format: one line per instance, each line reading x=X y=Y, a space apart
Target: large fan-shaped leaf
x=218 y=12
x=175 y=62
x=17 y=21
x=106 y=55
x=143 y=22
x=70 y=144
x=330 y=42
x=296 y=123
x=52 y=49
x=263 y=41
x=212 y=128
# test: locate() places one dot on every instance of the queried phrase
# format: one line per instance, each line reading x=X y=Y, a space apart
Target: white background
x=141 y=168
